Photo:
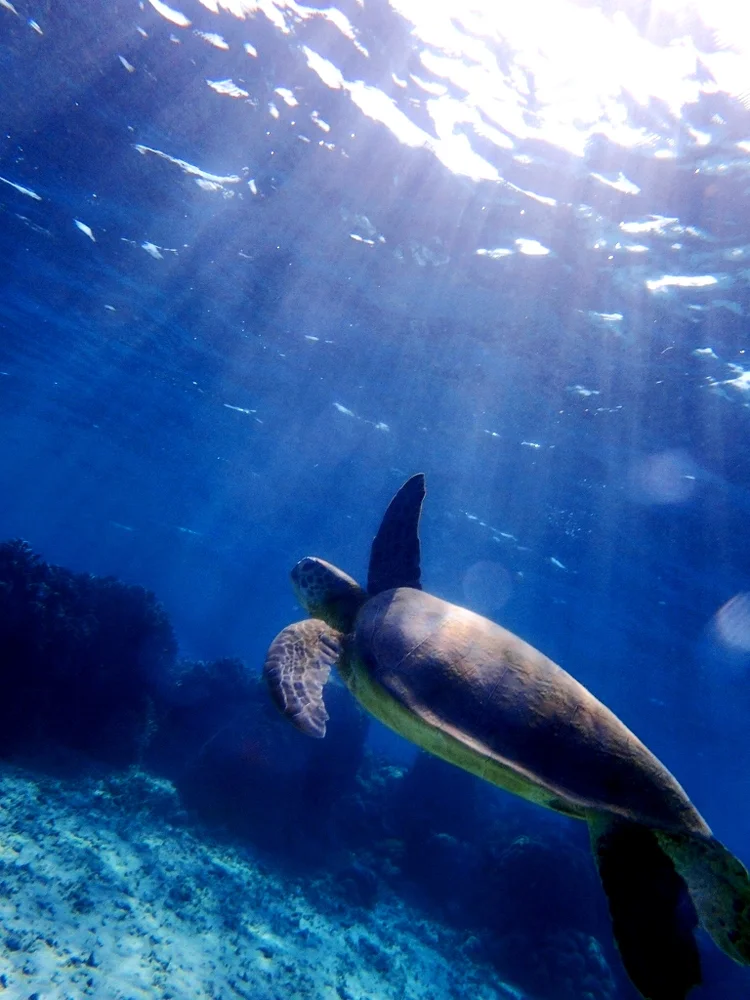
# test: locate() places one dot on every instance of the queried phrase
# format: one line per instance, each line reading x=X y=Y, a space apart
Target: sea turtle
x=471 y=692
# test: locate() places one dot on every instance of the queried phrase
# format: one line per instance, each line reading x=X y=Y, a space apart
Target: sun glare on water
x=499 y=72
x=573 y=63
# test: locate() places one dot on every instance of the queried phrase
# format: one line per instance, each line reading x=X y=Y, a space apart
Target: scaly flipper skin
x=297 y=666
x=394 y=557
x=719 y=886
x=653 y=918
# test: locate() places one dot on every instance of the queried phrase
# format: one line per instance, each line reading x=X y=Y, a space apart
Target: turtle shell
x=507 y=703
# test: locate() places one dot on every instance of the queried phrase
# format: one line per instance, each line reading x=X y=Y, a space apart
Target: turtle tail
x=719 y=886
x=653 y=918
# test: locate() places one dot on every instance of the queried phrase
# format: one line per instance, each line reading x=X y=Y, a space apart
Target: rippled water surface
x=261 y=261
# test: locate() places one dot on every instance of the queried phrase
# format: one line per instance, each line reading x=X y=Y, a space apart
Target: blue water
x=247 y=291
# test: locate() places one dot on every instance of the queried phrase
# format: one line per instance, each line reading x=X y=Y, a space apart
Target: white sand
x=107 y=892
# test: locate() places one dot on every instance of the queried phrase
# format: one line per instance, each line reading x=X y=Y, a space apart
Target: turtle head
x=326 y=592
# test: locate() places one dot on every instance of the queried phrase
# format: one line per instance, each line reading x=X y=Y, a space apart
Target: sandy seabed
x=108 y=891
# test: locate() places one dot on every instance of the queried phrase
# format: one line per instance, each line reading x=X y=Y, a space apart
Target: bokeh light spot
x=487 y=587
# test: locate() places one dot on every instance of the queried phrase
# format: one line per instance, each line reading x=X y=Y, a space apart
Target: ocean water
x=261 y=262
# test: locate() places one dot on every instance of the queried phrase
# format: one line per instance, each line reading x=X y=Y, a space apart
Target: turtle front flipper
x=298 y=664
x=394 y=557
x=653 y=918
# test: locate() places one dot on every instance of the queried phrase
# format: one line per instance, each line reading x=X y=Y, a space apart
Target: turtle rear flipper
x=298 y=664
x=653 y=918
x=719 y=886
x=394 y=556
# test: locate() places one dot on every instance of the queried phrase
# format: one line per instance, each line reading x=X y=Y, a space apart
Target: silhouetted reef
x=90 y=674
x=78 y=655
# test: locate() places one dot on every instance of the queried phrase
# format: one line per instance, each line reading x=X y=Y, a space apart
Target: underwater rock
x=435 y=795
x=536 y=885
x=200 y=704
x=433 y=812
x=76 y=656
x=565 y=965
x=220 y=741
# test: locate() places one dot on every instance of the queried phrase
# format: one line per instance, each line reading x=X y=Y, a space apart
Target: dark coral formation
x=76 y=656
x=222 y=742
x=553 y=882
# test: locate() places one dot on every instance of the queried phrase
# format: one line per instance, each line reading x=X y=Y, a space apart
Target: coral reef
x=553 y=886
x=221 y=741
x=564 y=965
x=76 y=656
